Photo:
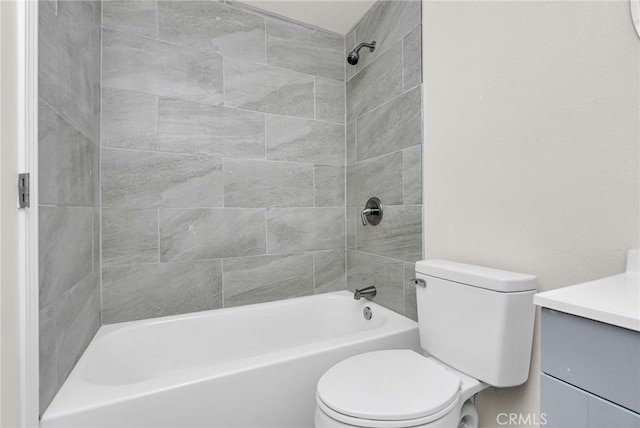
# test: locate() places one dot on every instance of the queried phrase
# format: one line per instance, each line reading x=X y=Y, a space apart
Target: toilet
x=476 y=330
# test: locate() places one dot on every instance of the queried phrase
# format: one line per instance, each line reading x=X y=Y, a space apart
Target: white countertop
x=614 y=300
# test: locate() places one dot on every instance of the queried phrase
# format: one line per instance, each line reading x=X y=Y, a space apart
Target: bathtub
x=249 y=366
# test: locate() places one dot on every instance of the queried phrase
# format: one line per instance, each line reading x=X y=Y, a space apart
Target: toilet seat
x=389 y=388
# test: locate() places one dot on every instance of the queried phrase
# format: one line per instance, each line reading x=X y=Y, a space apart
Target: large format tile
x=249 y=183
x=250 y=280
x=352 y=221
x=302 y=140
x=195 y=128
x=129 y=236
x=398 y=236
x=385 y=274
x=294 y=230
x=305 y=49
x=154 y=67
x=47 y=154
x=65 y=249
x=48 y=358
x=69 y=62
x=386 y=23
x=67 y=161
x=196 y=234
x=135 y=179
x=412 y=160
x=410 y=303
x=393 y=126
x=351 y=142
x=77 y=317
x=377 y=83
x=380 y=177
x=136 y=16
x=329 y=185
x=212 y=26
x=329 y=271
x=412 y=58
x=268 y=89
x=77 y=168
x=97 y=251
x=153 y=290
x=129 y=120
x=330 y=100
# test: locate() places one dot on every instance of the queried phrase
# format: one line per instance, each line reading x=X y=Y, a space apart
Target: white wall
x=9 y=298
x=532 y=135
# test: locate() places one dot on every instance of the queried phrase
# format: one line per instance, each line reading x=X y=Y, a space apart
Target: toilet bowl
x=475 y=325
x=395 y=388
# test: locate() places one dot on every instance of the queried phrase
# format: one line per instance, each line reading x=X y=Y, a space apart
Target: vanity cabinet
x=590 y=373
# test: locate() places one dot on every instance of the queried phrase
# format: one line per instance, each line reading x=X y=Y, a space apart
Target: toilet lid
x=388 y=385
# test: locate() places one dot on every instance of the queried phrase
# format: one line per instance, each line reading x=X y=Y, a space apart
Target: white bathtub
x=250 y=366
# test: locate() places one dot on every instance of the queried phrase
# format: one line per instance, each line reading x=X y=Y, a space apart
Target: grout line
x=229 y=208
x=222 y=282
x=265 y=39
x=404 y=288
x=379 y=157
x=157 y=129
x=100 y=170
x=265 y=136
x=219 y=106
x=313 y=272
x=157 y=9
x=266 y=234
x=158 y=229
x=346 y=159
x=224 y=83
x=222 y=259
x=315 y=90
x=70 y=122
x=313 y=181
x=402 y=171
x=401 y=261
x=390 y=100
x=355 y=140
x=223 y=157
x=402 y=61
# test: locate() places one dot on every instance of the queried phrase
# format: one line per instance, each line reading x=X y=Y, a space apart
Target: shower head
x=354 y=55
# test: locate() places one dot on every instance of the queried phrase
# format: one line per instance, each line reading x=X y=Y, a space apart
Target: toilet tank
x=477 y=320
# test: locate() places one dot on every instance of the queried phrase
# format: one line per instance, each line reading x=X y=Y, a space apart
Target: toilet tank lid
x=478 y=276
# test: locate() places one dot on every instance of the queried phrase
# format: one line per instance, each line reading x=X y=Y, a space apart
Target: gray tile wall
x=68 y=180
x=223 y=158
x=219 y=169
x=383 y=152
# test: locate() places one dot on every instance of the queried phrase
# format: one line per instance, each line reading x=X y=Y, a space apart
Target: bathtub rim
x=78 y=394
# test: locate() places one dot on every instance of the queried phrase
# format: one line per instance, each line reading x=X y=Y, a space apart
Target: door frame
x=27 y=15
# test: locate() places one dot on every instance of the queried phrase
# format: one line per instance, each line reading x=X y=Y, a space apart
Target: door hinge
x=23 y=190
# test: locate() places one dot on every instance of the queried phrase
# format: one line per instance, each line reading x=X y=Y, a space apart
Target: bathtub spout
x=367 y=292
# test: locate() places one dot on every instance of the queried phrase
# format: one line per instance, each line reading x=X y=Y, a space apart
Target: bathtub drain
x=367 y=313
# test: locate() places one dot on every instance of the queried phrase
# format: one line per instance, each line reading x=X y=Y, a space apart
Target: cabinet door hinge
x=23 y=190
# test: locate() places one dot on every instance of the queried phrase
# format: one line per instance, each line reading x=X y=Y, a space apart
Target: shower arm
x=371 y=46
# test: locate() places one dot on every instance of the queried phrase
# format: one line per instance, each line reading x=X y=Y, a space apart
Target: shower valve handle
x=372 y=212
x=367 y=212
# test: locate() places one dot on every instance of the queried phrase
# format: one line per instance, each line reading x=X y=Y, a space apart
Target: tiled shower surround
x=384 y=153
x=223 y=160
x=68 y=181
